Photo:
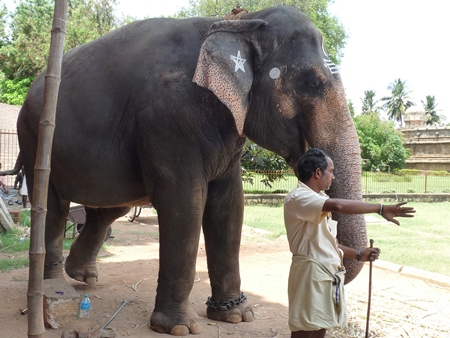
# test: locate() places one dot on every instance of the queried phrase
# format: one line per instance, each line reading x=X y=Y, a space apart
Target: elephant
x=158 y=112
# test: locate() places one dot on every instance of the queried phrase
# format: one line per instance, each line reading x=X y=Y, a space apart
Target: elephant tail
x=16 y=169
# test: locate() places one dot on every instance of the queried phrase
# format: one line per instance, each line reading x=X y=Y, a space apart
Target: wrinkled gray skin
x=158 y=112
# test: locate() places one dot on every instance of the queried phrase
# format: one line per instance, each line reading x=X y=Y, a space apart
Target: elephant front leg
x=179 y=228
x=222 y=228
x=81 y=264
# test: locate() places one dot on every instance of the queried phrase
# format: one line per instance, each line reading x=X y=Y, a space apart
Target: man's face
x=327 y=176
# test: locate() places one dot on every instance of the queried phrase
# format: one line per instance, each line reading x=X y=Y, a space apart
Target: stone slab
x=61 y=303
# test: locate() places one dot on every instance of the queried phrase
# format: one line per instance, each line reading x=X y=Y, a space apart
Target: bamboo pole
x=35 y=294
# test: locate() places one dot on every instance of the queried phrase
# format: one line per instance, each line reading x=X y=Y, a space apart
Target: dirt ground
x=401 y=306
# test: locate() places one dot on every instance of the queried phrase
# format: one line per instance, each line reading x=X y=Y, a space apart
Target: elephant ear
x=225 y=65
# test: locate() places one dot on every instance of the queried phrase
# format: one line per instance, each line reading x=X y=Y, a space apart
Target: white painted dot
x=275 y=73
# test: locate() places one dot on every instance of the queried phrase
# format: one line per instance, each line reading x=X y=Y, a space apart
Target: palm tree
x=431 y=115
x=397 y=104
x=369 y=103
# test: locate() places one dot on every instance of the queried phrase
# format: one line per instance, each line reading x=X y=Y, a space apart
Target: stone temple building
x=429 y=145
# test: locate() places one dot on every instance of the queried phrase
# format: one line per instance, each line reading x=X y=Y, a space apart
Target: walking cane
x=370 y=294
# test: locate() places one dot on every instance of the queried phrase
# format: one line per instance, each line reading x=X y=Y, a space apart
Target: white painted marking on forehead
x=333 y=68
x=323 y=49
x=238 y=62
x=275 y=73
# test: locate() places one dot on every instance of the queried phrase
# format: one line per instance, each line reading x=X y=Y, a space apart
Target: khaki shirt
x=309 y=231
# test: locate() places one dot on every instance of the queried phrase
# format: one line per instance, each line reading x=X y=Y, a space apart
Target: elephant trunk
x=342 y=145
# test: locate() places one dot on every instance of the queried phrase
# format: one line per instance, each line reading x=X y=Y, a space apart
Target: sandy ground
x=401 y=305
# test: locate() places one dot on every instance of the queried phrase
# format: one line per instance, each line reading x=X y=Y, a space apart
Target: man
x=316 y=277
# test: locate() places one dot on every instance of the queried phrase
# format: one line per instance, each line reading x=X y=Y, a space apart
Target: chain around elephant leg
x=233 y=311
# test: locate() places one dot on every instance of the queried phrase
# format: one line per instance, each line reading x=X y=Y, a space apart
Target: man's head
x=317 y=165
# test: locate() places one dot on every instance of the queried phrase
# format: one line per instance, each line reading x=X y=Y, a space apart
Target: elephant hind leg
x=55 y=224
x=81 y=264
x=176 y=324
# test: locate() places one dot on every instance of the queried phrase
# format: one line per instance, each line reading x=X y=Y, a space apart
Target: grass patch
x=16 y=245
x=265 y=217
x=421 y=242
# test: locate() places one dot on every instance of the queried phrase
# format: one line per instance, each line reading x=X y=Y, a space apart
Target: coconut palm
x=431 y=111
x=396 y=104
x=369 y=104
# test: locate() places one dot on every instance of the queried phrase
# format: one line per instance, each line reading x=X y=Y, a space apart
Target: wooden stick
x=370 y=294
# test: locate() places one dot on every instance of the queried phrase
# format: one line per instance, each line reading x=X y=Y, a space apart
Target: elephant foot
x=176 y=325
x=232 y=311
x=86 y=273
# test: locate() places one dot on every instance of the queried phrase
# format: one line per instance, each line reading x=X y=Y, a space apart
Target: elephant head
x=273 y=73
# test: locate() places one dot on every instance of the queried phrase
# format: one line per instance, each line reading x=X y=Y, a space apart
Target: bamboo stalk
x=35 y=294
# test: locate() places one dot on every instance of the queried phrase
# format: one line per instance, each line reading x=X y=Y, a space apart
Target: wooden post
x=35 y=292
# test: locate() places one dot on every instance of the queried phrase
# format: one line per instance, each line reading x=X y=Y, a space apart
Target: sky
x=388 y=40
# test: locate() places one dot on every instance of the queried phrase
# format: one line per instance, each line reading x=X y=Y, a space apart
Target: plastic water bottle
x=85 y=307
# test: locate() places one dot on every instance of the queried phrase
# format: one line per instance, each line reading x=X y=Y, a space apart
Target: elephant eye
x=312 y=80
x=313 y=84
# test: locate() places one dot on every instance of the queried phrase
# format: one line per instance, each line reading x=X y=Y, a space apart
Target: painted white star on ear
x=239 y=62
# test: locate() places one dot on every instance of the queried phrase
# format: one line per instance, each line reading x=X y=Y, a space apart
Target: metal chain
x=224 y=305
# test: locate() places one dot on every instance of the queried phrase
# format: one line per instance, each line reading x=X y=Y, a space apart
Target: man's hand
x=396 y=210
x=370 y=254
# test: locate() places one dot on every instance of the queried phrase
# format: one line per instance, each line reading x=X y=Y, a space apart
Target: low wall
x=274 y=199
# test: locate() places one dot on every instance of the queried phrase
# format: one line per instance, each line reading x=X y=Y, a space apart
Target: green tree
x=3 y=17
x=25 y=53
x=255 y=158
x=431 y=112
x=369 y=103
x=351 y=108
x=396 y=104
x=381 y=144
x=317 y=10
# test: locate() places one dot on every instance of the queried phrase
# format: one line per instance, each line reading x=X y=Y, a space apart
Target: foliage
x=24 y=54
x=3 y=17
x=316 y=10
x=351 y=108
x=409 y=172
x=369 y=104
x=381 y=144
x=256 y=158
x=396 y=104
x=438 y=172
x=385 y=177
x=14 y=91
x=431 y=113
